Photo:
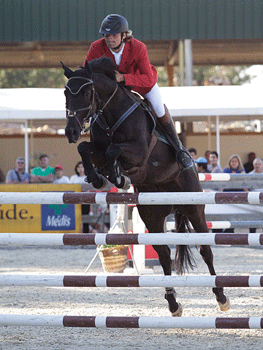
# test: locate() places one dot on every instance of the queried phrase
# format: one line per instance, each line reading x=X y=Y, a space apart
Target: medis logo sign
x=58 y=217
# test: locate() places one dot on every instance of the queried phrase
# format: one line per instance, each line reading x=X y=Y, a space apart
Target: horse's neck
x=104 y=86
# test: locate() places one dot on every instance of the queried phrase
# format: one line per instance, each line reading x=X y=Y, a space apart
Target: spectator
x=44 y=173
x=2 y=176
x=258 y=169
x=201 y=165
x=80 y=176
x=18 y=175
x=207 y=155
x=234 y=165
x=214 y=167
x=249 y=164
x=193 y=153
x=258 y=166
x=60 y=178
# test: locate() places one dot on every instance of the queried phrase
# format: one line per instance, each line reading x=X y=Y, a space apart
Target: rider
x=135 y=70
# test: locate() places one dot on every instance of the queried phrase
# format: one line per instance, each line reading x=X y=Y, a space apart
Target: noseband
x=73 y=114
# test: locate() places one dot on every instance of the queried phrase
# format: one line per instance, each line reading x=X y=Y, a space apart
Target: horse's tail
x=184 y=259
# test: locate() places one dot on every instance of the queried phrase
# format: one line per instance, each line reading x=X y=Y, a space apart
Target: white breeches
x=154 y=96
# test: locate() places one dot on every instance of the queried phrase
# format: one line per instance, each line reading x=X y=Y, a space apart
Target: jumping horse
x=124 y=148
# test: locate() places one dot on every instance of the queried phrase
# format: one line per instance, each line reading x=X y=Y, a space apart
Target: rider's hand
x=119 y=77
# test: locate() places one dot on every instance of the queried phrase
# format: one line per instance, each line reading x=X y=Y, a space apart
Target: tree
x=210 y=75
x=37 y=78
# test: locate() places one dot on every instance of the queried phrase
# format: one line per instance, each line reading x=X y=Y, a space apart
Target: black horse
x=124 y=149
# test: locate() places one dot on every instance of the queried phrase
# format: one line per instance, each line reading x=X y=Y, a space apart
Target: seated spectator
x=193 y=153
x=234 y=165
x=201 y=165
x=258 y=169
x=44 y=173
x=258 y=166
x=2 y=176
x=18 y=175
x=60 y=178
x=80 y=176
x=248 y=166
x=214 y=167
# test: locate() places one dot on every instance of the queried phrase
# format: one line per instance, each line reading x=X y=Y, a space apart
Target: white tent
x=198 y=102
x=185 y=104
x=30 y=103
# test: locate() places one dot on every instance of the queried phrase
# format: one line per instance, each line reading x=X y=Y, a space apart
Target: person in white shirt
x=258 y=166
x=59 y=177
x=80 y=176
x=214 y=167
x=258 y=169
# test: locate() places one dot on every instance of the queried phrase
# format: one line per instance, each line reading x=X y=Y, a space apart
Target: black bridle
x=98 y=117
x=90 y=108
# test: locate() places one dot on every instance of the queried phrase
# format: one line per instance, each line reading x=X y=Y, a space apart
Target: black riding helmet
x=113 y=24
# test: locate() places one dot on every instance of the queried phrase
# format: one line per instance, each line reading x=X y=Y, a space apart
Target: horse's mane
x=104 y=65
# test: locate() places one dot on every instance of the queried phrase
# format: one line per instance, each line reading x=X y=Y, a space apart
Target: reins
x=98 y=117
x=101 y=121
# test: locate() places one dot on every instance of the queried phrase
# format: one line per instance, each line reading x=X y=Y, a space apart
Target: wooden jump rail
x=146 y=198
x=54 y=239
x=129 y=281
x=132 y=322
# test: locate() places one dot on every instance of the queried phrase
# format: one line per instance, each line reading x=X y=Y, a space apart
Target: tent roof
x=184 y=103
x=31 y=103
x=199 y=102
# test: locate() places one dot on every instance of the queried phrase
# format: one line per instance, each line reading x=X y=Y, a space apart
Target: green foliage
x=34 y=78
x=210 y=75
x=54 y=78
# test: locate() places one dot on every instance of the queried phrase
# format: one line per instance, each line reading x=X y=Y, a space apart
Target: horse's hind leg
x=197 y=218
x=154 y=218
x=207 y=255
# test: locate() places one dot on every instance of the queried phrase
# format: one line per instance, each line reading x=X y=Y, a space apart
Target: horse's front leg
x=154 y=218
x=164 y=254
x=98 y=181
x=115 y=177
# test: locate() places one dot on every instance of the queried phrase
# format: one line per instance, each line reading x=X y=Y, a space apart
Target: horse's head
x=80 y=100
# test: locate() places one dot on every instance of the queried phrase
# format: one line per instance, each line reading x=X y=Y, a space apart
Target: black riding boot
x=181 y=154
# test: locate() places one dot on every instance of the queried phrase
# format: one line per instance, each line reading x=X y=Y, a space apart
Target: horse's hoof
x=178 y=312
x=225 y=306
x=102 y=184
x=125 y=183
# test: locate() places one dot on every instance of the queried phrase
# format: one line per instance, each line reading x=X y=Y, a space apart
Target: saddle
x=147 y=106
x=138 y=174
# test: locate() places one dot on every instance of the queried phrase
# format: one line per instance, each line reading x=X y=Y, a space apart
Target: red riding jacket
x=135 y=64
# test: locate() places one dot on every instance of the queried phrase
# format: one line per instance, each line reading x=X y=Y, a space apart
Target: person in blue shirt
x=18 y=175
x=234 y=165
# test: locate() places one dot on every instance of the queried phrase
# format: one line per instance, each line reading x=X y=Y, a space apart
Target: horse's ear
x=88 y=69
x=67 y=71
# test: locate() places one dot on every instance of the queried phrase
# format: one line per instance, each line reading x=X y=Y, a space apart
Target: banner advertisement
x=30 y=218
